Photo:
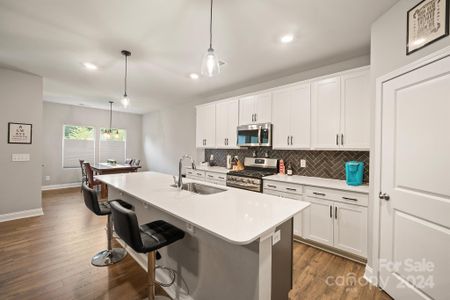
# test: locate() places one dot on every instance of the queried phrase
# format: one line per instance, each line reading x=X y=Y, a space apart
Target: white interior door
x=326 y=113
x=415 y=173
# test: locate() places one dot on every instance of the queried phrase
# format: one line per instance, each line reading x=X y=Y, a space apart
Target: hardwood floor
x=48 y=257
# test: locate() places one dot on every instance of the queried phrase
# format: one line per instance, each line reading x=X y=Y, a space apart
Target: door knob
x=384 y=196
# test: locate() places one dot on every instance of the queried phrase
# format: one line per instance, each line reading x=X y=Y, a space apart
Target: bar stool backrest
x=126 y=225
x=91 y=199
x=89 y=174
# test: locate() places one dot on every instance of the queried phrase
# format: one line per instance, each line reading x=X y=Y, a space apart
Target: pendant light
x=125 y=100
x=210 y=62
x=108 y=132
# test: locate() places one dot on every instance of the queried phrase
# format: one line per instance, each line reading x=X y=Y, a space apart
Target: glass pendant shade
x=210 y=64
x=125 y=101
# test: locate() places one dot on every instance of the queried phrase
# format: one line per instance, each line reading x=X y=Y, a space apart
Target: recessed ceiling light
x=194 y=76
x=286 y=39
x=90 y=66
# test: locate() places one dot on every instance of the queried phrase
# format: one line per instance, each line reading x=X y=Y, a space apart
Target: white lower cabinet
x=330 y=219
x=318 y=221
x=350 y=228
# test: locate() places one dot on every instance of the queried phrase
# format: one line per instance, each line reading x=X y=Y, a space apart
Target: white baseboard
x=141 y=259
x=60 y=186
x=370 y=276
x=21 y=214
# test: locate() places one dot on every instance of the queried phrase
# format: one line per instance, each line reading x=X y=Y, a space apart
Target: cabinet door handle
x=227 y=142
x=335 y=212
x=291 y=139
x=291 y=189
x=331 y=212
x=256 y=117
x=319 y=194
x=337 y=139
x=288 y=140
x=351 y=199
x=272 y=186
x=342 y=139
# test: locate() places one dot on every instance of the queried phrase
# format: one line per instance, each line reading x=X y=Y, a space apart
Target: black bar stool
x=147 y=238
x=111 y=255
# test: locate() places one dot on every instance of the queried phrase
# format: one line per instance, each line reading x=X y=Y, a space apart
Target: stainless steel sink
x=200 y=189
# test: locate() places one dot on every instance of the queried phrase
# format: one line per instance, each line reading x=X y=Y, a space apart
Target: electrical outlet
x=276 y=237
x=47 y=178
x=303 y=163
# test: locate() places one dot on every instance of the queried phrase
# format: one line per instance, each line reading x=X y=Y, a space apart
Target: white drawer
x=216 y=176
x=337 y=195
x=284 y=187
x=218 y=182
x=195 y=174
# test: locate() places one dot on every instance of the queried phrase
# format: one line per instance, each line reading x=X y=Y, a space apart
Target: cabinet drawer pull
x=331 y=212
x=351 y=199
x=319 y=194
x=221 y=177
x=272 y=186
x=335 y=212
x=199 y=174
x=291 y=189
x=210 y=176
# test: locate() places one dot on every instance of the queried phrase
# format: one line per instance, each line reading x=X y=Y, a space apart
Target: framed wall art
x=427 y=22
x=20 y=133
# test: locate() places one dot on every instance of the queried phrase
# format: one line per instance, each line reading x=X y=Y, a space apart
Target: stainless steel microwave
x=255 y=135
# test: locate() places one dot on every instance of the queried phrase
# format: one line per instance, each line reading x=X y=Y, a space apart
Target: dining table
x=108 y=168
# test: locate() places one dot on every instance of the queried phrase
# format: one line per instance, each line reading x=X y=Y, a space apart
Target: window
x=112 y=146
x=78 y=143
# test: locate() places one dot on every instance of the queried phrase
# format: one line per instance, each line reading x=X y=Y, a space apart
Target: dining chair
x=83 y=174
x=91 y=181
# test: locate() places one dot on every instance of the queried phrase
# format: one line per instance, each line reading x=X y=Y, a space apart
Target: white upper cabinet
x=355 y=110
x=291 y=111
x=255 y=109
x=341 y=112
x=227 y=114
x=326 y=108
x=206 y=126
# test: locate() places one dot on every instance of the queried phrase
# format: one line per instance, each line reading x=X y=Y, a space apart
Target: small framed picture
x=427 y=22
x=20 y=133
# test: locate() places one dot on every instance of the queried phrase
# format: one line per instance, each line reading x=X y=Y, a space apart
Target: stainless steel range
x=254 y=170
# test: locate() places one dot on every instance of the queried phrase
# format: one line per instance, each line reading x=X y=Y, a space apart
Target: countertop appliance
x=254 y=170
x=255 y=135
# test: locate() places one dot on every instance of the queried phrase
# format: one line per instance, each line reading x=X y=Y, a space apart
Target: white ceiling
x=168 y=39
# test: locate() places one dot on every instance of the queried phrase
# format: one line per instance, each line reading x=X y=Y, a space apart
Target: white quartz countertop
x=319 y=182
x=214 y=169
x=237 y=216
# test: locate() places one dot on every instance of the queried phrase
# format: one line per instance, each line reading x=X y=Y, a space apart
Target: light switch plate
x=276 y=237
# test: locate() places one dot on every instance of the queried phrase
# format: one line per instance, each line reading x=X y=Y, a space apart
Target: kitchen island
x=238 y=244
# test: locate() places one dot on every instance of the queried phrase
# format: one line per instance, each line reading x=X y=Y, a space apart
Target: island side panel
x=207 y=266
x=282 y=262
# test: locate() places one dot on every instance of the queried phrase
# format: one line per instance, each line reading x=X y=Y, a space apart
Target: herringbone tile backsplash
x=326 y=164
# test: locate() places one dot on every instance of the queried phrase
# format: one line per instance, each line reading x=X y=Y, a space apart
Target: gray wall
x=170 y=133
x=56 y=115
x=388 y=53
x=21 y=101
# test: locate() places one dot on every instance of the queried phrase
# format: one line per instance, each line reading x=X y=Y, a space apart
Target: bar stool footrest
x=108 y=257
